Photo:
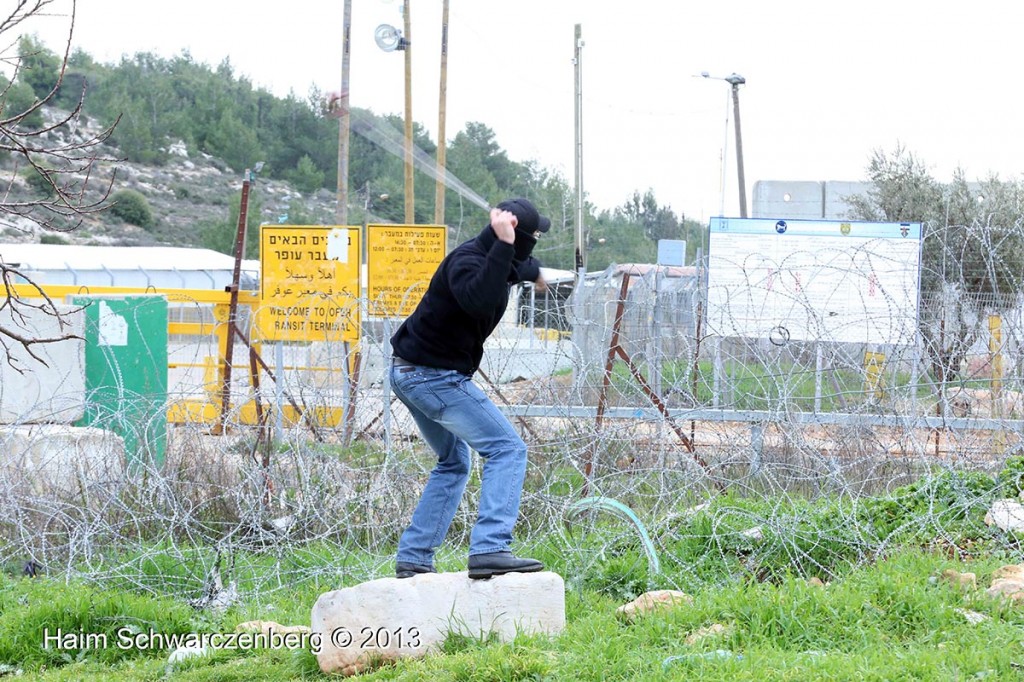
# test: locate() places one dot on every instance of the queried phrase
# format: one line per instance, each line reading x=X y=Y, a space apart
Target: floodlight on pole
x=735 y=80
x=390 y=39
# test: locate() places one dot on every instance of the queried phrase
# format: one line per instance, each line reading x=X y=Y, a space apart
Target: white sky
x=827 y=83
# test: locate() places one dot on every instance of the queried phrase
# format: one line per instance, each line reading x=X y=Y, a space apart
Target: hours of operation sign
x=401 y=259
x=309 y=283
x=804 y=280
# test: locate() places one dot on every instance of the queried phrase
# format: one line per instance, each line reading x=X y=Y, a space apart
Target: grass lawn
x=890 y=620
x=883 y=611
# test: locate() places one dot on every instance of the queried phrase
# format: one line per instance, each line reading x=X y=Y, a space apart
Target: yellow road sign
x=401 y=261
x=309 y=283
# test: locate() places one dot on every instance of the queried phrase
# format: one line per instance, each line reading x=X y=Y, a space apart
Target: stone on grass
x=1012 y=571
x=756 y=533
x=1006 y=515
x=183 y=653
x=700 y=634
x=388 y=619
x=1006 y=588
x=651 y=601
x=973 y=617
x=962 y=580
x=1008 y=582
x=269 y=627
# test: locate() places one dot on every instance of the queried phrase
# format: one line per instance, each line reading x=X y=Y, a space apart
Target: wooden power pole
x=344 y=123
x=441 y=113
x=410 y=198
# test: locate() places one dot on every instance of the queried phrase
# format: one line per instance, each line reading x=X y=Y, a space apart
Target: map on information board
x=804 y=280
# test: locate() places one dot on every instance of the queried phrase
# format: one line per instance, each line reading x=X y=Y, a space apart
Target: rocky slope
x=187 y=193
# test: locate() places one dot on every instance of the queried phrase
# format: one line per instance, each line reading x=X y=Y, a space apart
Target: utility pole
x=410 y=198
x=344 y=123
x=581 y=258
x=736 y=80
x=441 y=112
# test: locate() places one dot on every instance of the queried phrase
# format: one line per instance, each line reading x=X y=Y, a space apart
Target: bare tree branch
x=54 y=151
x=65 y=160
x=18 y=307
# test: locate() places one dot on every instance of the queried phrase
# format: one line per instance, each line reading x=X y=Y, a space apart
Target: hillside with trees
x=182 y=133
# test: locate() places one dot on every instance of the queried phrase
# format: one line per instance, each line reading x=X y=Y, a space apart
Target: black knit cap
x=529 y=218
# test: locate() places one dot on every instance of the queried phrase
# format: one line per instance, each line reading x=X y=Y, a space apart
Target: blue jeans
x=454 y=415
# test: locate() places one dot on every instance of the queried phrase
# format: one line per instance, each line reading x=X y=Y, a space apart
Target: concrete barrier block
x=60 y=460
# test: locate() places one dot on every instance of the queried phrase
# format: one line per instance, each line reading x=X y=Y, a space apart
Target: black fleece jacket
x=464 y=302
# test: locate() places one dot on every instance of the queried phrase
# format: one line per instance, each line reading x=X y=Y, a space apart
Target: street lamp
x=390 y=39
x=735 y=80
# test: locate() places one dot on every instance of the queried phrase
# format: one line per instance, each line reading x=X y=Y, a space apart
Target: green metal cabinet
x=126 y=371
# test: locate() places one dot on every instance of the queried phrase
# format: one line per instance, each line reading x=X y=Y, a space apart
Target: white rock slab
x=388 y=618
x=1006 y=515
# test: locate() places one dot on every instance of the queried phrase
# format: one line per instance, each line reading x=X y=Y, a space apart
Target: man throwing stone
x=436 y=352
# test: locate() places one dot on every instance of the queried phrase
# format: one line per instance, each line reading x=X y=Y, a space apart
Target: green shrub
x=934 y=500
x=20 y=99
x=1011 y=478
x=306 y=176
x=52 y=239
x=38 y=182
x=131 y=207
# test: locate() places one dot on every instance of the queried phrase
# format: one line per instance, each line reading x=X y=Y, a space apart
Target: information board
x=309 y=283
x=401 y=259
x=803 y=280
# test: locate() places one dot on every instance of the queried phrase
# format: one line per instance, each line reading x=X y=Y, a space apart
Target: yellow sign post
x=401 y=259
x=995 y=349
x=874 y=363
x=309 y=283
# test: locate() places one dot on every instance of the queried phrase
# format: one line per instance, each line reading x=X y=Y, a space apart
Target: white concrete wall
x=836 y=194
x=49 y=391
x=789 y=199
x=804 y=200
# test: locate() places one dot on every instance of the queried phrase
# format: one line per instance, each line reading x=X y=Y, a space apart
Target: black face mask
x=524 y=245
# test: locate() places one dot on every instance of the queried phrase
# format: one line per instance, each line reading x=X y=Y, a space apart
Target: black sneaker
x=482 y=566
x=405 y=569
